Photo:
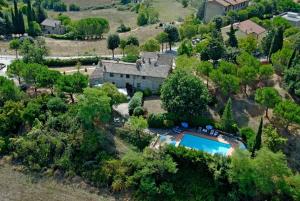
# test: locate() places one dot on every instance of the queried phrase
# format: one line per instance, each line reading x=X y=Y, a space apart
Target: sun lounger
x=211 y=133
x=204 y=131
x=216 y=134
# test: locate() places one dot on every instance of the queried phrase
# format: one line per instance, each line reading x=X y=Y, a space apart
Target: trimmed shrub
x=147 y=92
x=166 y=120
x=141 y=141
x=71 y=62
x=74 y=7
x=201 y=121
x=138 y=111
x=136 y=101
x=130 y=58
x=122 y=28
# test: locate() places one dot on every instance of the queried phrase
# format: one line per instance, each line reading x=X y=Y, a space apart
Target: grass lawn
x=153 y=105
x=16 y=186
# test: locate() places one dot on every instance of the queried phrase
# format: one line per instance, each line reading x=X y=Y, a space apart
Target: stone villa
x=149 y=72
x=246 y=28
x=215 y=8
x=50 y=26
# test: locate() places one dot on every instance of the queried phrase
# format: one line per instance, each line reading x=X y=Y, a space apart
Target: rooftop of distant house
x=229 y=2
x=249 y=27
x=51 y=23
x=150 y=65
x=291 y=16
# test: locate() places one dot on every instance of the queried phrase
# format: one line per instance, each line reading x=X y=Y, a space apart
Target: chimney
x=138 y=64
x=149 y=60
x=100 y=64
x=104 y=68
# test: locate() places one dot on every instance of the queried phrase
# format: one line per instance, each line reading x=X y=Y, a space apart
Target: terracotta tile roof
x=249 y=27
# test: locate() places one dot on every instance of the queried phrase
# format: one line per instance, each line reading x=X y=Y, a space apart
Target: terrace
x=203 y=139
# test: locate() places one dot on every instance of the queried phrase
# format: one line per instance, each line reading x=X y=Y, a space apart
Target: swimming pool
x=203 y=144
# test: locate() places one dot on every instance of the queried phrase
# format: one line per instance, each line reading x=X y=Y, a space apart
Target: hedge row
x=136 y=101
x=71 y=62
x=168 y=120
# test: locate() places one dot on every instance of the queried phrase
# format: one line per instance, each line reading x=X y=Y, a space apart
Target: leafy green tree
x=32 y=111
x=218 y=22
x=247 y=76
x=30 y=74
x=57 y=105
x=162 y=38
x=272 y=139
x=91 y=27
x=268 y=97
x=248 y=135
x=263 y=176
x=228 y=84
x=34 y=52
x=292 y=80
x=148 y=172
x=184 y=94
x=123 y=44
x=281 y=59
x=15 y=45
x=8 y=91
x=132 y=40
x=11 y=118
x=227 y=120
x=113 y=42
x=138 y=124
x=215 y=49
x=151 y=45
x=258 y=139
x=112 y=92
x=94 y=108
x=173 y=34
x=47 y=78
x=246 y=59
x=248 y=44
x=265 y=72
x=205 y=68
x=232 y=40
x=72 y=84
x=288 y=113
x=185 y=48
x=15 y=69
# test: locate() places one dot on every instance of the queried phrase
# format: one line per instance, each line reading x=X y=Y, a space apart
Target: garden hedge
x=136 y=101
x=71 y=62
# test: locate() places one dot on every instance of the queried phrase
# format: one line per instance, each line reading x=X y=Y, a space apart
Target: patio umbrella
x=184 y=124
x=209 y=127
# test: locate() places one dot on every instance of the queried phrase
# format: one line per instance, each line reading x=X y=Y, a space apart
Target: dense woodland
x=56 y=124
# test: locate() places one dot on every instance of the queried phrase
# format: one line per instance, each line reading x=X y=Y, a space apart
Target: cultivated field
x=88 y=3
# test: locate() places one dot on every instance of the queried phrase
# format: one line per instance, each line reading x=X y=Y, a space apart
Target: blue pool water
x=203 y=144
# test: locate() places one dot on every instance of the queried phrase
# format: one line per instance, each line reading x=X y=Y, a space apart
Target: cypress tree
x=40 y=12
x=257 y=143
x=277 y=41
x=232 y=41
x=227 y=120
x=30 y=19
x=15 y=18
x=21 y=23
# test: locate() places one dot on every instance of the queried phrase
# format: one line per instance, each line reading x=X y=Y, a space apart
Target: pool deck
x=234 y=144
